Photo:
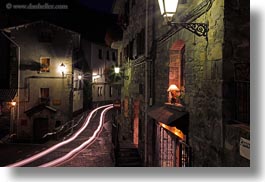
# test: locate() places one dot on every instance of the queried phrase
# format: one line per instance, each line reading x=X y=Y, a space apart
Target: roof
x=37 y=22
x=39 y=108
x=170 y=117
x=7 y=95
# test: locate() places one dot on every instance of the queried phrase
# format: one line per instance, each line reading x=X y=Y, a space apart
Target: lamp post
x=168 y=9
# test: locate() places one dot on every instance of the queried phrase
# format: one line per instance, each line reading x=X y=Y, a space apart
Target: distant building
x=49 y=86
x=101 y=60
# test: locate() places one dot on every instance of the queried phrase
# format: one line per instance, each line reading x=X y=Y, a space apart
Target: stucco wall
x=31 y=79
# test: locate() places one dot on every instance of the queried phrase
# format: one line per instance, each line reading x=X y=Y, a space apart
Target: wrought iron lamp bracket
x=200 y=29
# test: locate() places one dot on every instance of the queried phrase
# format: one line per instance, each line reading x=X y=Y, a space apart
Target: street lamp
x=13 y=103
x=168 y=9
x=116 y=70
x=62 y=69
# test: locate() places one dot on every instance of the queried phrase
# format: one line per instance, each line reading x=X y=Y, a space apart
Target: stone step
x=128 y=156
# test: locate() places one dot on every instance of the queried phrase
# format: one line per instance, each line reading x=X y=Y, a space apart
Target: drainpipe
x=146 y=89
x=18 y=91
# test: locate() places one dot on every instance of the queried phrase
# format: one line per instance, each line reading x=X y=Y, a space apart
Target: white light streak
x=49 y=150
x=79 y=148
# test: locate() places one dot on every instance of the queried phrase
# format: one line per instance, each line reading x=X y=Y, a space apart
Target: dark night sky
x=91 y=18
x=99 y=5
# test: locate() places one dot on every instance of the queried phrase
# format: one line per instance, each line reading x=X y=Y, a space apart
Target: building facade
x=48 y=91
x=101 y=60
x=209 y=119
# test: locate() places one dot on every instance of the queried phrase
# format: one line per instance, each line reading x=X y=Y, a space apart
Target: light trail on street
x=83 y=145
x=53 y=148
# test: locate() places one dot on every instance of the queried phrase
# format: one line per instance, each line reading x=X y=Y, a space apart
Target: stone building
x=101 y=60
x=49 y=89
x=211 y=117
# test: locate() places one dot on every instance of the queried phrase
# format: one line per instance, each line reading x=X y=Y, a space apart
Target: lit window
x=45 y=64
x=176 y=68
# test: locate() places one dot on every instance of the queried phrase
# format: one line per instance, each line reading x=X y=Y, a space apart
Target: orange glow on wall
x=173 y=130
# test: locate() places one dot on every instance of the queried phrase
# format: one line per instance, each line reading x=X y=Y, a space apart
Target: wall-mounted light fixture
x=168 y=9
x=79 y=77
x=13 y=103
x=62 y=69
x=117 y=71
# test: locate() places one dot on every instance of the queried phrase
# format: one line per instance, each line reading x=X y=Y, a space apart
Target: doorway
x=136 y=108
x=40 y=128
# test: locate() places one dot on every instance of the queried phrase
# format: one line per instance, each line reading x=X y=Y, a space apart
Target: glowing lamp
x=13 y=103
x=117 y=70
x=62 y=68
x=79 y=77
x=173 y=89
x=168 y=8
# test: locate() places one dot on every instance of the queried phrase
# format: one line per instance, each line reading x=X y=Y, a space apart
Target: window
x=125 y=52
x=100 y=91
x=140 y=41
x=141 y=89
x=133 y=3
x=107 y=55
x=127 y=13
x=121 y=60
x=110 y=91
x=44 y=92
x=243 y=101
x=130 y=50
x=44 y=95
x=45 y=36
x=113 y=56
x=78 y=84
x=176 y=69
x=242 y=92
x=100 y=53
x=44 y=64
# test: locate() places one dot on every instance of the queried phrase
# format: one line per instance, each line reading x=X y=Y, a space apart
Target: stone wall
x=134 y=87
x=208 y=73
x=202 y=81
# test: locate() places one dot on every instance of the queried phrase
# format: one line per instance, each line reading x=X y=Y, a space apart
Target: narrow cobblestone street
x=98 y=153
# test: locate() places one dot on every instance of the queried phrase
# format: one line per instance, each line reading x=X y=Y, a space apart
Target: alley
x=98 y=152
